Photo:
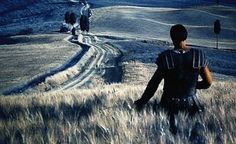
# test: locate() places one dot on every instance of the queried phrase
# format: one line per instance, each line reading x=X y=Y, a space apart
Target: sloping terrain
x=105 y=115
x=17 y=17
x=155 y=23
x=27 y=57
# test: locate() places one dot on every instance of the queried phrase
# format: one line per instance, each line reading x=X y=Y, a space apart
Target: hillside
x=105 y=115
x=17 y=17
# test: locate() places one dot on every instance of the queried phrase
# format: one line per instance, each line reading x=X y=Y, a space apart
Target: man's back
x=181 y=70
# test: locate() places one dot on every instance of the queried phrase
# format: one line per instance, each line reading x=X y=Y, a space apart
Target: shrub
x=72 y=18
x=67 y=17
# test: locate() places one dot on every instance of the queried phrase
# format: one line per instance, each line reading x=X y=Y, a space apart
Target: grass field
x=106 y=115
x=25 y=57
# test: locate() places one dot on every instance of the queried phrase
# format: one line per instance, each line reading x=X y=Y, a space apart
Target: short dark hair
x=178 y=33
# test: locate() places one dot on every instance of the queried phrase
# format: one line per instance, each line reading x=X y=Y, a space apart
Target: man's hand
x=206 y=79
x=138 y=104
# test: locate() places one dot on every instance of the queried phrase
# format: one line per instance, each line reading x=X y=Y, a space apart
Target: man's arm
x=151 y=88
x=206 y=78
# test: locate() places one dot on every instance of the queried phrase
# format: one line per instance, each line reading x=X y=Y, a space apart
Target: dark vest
x=181 y=71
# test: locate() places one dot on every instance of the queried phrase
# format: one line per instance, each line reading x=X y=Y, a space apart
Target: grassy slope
x=26 y=57
x=155 y=23
x=105 y=115
x=27 y=17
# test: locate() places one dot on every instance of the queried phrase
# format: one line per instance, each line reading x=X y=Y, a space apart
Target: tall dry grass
x=105 y=115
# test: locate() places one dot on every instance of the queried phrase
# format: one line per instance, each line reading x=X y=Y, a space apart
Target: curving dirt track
x=103 y=58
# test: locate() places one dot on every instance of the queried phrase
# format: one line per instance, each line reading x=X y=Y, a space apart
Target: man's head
x=178 y=34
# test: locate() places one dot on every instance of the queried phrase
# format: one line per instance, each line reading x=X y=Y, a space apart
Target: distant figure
x=84 y=18
x=180 y=68
x=217 y=2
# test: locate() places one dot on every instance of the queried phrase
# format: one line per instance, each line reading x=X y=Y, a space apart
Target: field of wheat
x=106 y=115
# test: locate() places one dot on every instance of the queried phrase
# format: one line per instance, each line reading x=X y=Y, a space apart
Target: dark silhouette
x=83 y=22
x=72 y=20
x=73 y=30
x=217 y=29
x=67 y=17
x=180 y=68
x=84 y=18
x=217 y=2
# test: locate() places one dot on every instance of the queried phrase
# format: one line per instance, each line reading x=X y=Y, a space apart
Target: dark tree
x=67 y=17
x=217 y=29
x=72 y=18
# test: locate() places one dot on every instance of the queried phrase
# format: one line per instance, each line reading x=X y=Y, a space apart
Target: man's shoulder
x=197 y=50
x=199 y=58
x=165 y=60
x=170 y=51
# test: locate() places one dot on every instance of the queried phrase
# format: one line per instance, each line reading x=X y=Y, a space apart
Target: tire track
x=106 y=59
x=91 y=69
x=42 y=78
x=94 y=57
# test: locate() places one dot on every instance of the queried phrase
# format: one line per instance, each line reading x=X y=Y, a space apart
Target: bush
x=72 y=18
x=67 y=17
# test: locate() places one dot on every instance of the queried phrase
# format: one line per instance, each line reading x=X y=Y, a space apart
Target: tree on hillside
x=66 y=27
x=72 y=20
x=67 y=17
x=217 y=29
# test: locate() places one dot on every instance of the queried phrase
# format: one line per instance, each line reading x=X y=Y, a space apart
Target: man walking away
x=180 y=68
x=85 y=13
